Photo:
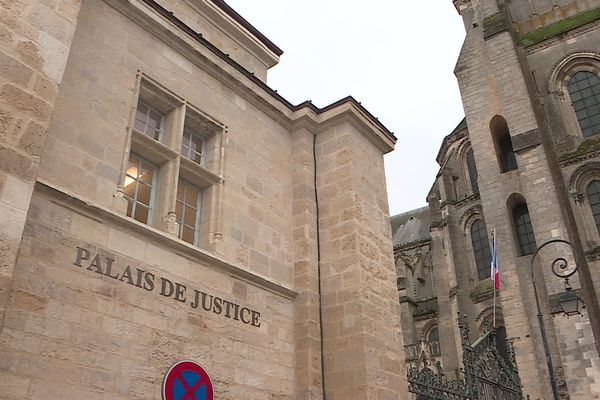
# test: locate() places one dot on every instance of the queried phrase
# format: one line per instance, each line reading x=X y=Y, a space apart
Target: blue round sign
x=187 y=380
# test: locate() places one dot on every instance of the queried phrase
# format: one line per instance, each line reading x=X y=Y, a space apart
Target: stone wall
x=71 y=329
x=35 y=40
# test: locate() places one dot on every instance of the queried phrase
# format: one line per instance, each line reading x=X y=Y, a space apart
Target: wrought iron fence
x=413 y=351
x=487 y=375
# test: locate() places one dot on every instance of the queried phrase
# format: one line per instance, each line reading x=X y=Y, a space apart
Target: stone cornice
x=88 y=208
x=202 y=53
x=346 y=110
x=233 y=25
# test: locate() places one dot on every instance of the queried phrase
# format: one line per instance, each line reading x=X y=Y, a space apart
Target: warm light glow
x=128 y=181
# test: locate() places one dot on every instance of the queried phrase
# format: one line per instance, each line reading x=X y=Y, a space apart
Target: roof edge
x=248 y=26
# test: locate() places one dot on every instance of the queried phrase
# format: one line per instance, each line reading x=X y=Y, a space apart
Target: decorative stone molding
x=475 y=210
x=526 y=140
x=581 y=177
x=494 y=25
x=486 y=311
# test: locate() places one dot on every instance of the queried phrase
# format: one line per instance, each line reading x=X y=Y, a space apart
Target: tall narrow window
x=187 y=211
x=593 y=194
x=472 y=169
x=138 y=188
x=148 y=121
x=481 y=249
x=524 y=229
x=434 y=341
x=503 y=143
x=584 y=88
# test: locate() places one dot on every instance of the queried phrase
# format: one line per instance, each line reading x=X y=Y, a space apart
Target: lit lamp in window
x=570 y=302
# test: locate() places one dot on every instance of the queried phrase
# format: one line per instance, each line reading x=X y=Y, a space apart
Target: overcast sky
x=394 y=56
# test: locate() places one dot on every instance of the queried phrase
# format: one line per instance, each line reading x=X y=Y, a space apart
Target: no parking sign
x=187 y=380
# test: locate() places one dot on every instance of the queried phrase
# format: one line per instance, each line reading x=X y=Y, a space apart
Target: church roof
x=411 y=226
x=449 y=139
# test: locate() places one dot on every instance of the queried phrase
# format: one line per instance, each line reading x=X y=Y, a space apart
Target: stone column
x=35 y=40
x=361 y=321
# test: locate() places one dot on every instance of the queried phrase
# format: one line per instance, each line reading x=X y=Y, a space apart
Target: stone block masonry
x=35 y=40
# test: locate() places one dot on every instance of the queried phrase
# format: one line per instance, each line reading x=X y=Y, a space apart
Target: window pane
x=191 y=197
x=139 y=125
x=472 y=169
x=129 y=187
x=148 y=121
x=141 y=213
x=143 y=195
x=146 y=174
x=180 y=191
x=137 y=192
x=434 y=335
x=186 y=211
x=481 y=249
x=192 y=147
x=129 y=207
x=593 y=193
x=188 y=235
x=583 y=89
x=190 y=217
x=507 y=154
x=525 y=235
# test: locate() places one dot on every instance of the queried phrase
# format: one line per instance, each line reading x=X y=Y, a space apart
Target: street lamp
x=570 y=303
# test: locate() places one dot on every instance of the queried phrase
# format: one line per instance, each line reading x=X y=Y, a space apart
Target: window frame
x=171 y=165
x=485 y=267
x=161 y=129
x=202 y=140
x=522 y=250
x=591 y=206
x=198 y=219
x=571 y=93
x=152 y=202
x=558 y=87
x=473 y=180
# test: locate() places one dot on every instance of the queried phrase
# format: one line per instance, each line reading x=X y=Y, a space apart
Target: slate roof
x=411 y=226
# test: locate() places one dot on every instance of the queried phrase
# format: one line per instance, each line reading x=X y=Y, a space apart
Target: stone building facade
x=523 y=163
x=159 y=202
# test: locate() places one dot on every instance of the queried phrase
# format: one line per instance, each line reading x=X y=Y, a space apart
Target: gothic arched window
x=584 y=89
x=472 y=169
x=481 y=249
x=433 y=338
x=524 y=230
x=593 y=194
x=503 y=143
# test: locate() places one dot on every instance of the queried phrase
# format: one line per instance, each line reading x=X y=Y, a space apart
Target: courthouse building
x=159 y=203
x=525 y=163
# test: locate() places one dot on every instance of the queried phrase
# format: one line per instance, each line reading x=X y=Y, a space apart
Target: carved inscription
x=150 y=282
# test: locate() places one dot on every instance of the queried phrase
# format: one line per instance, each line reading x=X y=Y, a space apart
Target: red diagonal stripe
x=189 y=392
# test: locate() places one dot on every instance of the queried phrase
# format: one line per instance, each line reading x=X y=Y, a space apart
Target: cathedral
x=520 y=173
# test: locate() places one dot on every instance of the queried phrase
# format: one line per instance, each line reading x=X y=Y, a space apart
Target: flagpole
x=494 y=274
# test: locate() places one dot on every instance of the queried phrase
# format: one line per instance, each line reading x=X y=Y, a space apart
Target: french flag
x=495 y=274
